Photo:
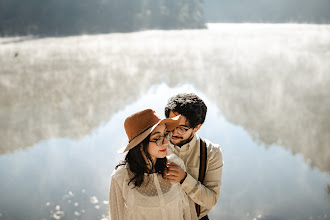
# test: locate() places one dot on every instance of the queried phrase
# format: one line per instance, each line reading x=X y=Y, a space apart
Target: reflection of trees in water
x=328 y=191
x=262 y=77
x=282 y=112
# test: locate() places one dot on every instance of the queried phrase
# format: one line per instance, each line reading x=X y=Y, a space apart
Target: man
x=186 y=144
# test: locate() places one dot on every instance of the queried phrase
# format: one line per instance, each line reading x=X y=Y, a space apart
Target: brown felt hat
x=140 y=124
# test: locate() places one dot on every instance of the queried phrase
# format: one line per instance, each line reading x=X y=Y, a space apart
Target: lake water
x=64 y=101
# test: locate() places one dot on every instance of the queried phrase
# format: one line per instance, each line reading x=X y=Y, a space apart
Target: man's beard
x=181 y=143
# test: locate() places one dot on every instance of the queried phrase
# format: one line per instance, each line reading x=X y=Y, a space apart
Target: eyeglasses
x=182 y=130
x=161 y=139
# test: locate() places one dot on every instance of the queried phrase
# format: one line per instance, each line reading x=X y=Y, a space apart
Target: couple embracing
x=169 y=172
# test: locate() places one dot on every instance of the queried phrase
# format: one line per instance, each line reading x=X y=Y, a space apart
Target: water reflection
x=69 y=179
x=69 y=209
x=264 y=78
x=260 y=81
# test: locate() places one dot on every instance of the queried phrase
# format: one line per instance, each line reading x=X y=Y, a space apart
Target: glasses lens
x=168 y=136
x=181 y=130
x=160 y=141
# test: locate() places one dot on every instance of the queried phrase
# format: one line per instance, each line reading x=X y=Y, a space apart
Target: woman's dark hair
x=188 y=105
x=137 y=164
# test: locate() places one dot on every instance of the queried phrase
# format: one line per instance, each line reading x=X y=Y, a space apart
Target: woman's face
x=153 y=149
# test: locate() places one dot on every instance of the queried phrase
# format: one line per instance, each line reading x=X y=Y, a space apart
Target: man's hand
x=174 y=173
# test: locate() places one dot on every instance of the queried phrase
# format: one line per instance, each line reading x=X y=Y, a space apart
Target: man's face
x=181 y=139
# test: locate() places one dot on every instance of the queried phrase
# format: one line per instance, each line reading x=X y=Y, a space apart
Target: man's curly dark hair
x=188 y=105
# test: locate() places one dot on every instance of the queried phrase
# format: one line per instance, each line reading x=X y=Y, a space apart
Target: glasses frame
x=182 y=128
x=160 y=141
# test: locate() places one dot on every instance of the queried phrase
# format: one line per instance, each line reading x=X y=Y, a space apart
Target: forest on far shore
x=71 y=17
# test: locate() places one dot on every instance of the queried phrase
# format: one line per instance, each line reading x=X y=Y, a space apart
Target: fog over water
x=266 y=85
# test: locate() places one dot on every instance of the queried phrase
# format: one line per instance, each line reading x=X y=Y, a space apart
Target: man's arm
x=205 y=194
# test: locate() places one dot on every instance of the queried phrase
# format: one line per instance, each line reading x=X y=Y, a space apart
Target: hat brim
x=171 y=124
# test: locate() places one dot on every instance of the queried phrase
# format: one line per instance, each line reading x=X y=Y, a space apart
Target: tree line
x=67 y=17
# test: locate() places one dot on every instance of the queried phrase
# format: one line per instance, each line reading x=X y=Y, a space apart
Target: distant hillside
x=71 y=17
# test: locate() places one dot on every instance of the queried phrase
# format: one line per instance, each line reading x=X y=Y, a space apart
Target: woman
x=138 y=189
